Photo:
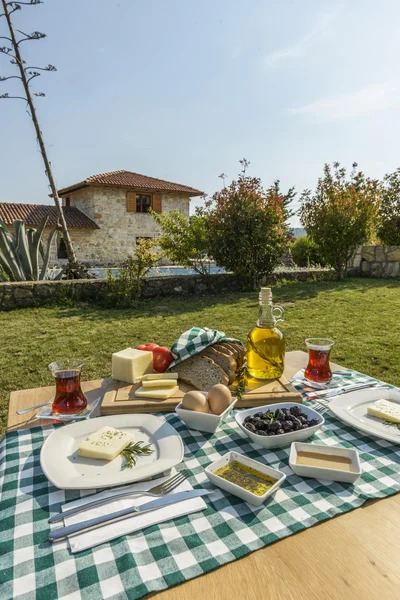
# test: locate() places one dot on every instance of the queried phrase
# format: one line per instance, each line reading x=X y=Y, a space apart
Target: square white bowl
x=283 y=439
x=202 y=421
x=228 y=486
x=325 y=473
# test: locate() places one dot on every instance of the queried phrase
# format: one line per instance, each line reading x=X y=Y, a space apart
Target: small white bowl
x=283 y=439
x=236 y=489
x=322 y=472
x=202 y=421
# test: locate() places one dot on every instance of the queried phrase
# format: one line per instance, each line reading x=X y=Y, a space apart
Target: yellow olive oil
x=247 y=478
x=266 y=343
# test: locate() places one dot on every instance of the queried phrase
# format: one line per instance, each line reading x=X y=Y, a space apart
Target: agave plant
x=20 y=254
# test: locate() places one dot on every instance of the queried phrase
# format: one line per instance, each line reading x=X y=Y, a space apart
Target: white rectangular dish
x=207 y=422
x=323 y=472
x=228 y=486
x=352 y=409
x=276 y=441
x=63 y=466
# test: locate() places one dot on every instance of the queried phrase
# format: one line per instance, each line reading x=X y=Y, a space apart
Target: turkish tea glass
x=69 y=397
x=318 y=369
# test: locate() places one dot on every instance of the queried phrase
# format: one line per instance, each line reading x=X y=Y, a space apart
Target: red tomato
x=147 y=347
x=162 y=358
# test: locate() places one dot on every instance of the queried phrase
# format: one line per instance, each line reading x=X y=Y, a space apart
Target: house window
x=143 y=203
x=62 y=249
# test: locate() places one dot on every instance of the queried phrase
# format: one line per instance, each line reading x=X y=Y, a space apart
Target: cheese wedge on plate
x=159 y=393
x=386 y=410
x=105 y=443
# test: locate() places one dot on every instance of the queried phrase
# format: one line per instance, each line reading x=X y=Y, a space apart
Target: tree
x=305 y=252
x=247 y=228
x=184 y=240
x=27 y=74
x=388 y=229
x=339 y=215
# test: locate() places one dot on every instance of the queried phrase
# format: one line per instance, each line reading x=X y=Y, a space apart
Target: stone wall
x=376 y=261
x=40 y=293
x=118 y=228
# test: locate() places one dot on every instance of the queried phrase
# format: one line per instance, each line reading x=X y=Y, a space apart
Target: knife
x=341 y=390
x=119 y=515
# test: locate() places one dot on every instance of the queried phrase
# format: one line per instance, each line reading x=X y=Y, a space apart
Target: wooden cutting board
x=120 y=397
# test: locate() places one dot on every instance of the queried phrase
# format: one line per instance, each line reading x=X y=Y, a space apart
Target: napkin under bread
x=107 y=532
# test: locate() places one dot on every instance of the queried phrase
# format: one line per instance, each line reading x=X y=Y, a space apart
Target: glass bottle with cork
x=266 y=343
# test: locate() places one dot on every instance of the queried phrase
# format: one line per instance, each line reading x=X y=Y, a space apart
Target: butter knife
x=341 y=390
x=119 y=515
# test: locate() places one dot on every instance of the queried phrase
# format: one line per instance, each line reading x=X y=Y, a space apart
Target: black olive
x=258 y=415
x=304 y=426
x=279 y=414
x=295 y=410
x=248 y=419
x=250 y=427
x=274 y=426
x=303 y=415
x=262 y=432
x=313 y=422
x=287 y=426
x=270 y=432
x=303 y=420
x=280 y=431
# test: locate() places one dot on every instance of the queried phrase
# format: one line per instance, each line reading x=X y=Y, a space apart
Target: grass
x=361 y=315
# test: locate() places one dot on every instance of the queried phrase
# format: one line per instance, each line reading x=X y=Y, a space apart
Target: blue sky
x=182 y=89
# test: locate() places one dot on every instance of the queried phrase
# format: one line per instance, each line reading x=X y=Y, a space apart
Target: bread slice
x=201 y=372
x=241 y=350
x=225 y=361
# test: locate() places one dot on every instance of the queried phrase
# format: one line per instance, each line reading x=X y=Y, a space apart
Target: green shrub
x=305 y=252
x=388 y=229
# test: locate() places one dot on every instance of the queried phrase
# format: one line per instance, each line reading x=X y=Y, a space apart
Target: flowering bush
x=247 y=227
x=340 y=214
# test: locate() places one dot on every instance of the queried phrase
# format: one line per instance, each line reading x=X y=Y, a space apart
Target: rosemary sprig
x=242 y=382
x=130 y=452
x=390 y=423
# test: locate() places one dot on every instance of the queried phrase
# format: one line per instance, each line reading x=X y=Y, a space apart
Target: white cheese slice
x=130 y=364
x=159 y=393
x=384 y=409
x=105 y=444
x=154 y=376
x=158 y=383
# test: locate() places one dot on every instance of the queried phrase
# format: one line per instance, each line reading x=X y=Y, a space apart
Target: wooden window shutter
x=157 y=203
x=131 y=201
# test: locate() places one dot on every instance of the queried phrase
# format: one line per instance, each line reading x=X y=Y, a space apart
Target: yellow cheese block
x=105 y=443
x=386 y=410
x=130 y=364
x=158 y=383
x=159 y=393
x=155 y=376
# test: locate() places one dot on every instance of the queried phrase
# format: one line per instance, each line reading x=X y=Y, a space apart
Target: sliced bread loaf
x=201 y=372
x=225 y=361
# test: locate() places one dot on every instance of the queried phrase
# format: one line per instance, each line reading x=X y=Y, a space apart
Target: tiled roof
x=32 y=214
x=127 y=179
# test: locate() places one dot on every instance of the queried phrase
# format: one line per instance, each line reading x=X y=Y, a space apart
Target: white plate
x=283 y=439
x=67 y=470
x=352 y=409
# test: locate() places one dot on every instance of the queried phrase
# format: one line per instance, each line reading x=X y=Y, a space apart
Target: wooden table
x=355 y=555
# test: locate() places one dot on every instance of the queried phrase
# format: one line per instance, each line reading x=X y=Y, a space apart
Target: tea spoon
x=25 y=410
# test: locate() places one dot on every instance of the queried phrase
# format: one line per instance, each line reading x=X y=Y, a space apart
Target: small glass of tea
x=318 y=369
x=69 y=397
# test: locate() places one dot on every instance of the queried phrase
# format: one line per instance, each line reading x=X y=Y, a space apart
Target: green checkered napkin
x=195 y=340
x=164 y=555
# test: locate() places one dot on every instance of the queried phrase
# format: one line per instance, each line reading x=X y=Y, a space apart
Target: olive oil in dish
x=245 y=477
x=266 y=343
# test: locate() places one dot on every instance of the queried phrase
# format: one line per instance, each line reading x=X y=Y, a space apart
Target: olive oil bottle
x=265 y=343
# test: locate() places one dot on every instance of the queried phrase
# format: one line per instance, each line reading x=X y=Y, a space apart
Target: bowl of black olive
x=279 y=424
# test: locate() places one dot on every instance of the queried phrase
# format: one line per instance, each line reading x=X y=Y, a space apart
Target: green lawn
x=362 y=316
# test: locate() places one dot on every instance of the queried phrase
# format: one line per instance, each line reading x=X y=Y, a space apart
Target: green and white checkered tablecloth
x=170 y=553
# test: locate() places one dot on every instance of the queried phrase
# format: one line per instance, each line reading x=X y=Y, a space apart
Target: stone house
x=106 y=214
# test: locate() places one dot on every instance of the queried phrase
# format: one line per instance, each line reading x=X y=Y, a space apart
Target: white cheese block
x=105 y=444
x=159 y=393
x=384 y=409
x=130 y=365
x=154 y=376
x=158 y=383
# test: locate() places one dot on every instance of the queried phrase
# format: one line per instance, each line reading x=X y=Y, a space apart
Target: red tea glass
x=318 y=369
x=69 y=397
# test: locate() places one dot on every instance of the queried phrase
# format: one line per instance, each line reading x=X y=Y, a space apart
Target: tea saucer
x=46 y=412
x=338 y=379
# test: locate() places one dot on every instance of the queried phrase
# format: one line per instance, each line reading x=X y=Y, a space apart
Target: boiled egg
x=196 y=401
x=219 y=398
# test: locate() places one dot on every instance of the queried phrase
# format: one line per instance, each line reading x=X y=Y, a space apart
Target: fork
x=157 y=491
